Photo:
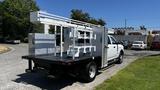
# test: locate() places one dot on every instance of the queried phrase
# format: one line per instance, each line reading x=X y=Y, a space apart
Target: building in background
x=130 y=31
x=155 y=32
x=110 y=31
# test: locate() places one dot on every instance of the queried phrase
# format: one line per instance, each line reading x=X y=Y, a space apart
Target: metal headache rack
x=76 y=38
x=82 y=42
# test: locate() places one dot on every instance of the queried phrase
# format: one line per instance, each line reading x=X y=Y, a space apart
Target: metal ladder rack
x=47 y=18
x=50 y=19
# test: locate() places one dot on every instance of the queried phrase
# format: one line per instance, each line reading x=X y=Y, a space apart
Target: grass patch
x=143 y=74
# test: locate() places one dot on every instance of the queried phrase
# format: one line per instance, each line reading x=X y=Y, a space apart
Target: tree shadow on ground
x=42 y=81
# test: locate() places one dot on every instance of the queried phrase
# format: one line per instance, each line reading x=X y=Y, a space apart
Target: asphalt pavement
x=14 y=77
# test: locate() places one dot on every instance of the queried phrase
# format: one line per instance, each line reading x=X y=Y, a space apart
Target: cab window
x=113 y=40
x=109 y=41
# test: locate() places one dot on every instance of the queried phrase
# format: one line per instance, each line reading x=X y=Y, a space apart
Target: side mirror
x=119 y=42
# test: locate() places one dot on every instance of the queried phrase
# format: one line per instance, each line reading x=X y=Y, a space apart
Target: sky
x=114 y=12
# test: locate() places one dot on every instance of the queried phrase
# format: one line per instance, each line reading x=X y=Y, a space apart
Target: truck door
x=112 y=49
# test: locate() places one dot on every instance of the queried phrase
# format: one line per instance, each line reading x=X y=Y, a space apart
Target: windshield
x=137 y=42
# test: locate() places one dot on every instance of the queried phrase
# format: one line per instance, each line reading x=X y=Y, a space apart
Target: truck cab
x=114 y=48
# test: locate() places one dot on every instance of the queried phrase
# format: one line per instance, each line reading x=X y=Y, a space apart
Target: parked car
x=13 y=41
x=139 y=45
x=156 y=43
x=126 y=44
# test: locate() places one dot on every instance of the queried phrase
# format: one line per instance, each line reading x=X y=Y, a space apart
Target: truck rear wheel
x=90 y=72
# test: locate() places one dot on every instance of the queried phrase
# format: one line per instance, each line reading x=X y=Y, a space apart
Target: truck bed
x=65 y=60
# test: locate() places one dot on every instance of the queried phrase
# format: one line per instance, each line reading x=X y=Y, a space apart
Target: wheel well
x=122 y=52
x=98 y=62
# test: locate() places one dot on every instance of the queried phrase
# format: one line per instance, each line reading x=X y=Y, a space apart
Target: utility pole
x=125 y=22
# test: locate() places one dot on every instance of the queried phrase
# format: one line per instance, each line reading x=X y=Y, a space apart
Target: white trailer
x=75 y=47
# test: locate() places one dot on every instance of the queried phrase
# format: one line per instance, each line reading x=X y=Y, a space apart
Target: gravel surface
x=13 y=76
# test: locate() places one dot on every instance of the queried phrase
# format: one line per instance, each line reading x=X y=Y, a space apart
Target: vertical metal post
x=46 y=29
x=104 y=44
x=106 y=34
x=29 y=64
x=55 y=33
x=91 y=34
x=85 y=39
x=73 y=57
x=61 y=54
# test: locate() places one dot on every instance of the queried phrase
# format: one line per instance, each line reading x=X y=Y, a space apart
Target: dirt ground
x=3 y=49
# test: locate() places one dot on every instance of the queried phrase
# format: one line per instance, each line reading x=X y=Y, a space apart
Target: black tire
x=90 y=72
x=120 y=58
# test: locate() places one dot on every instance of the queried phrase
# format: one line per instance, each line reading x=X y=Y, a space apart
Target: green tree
x=15 y=18
x=0 y=20
x=143 y=27
x=101 y=22
x=84 y=16
x=149 y=40
x=93 y=21
x=80 y=15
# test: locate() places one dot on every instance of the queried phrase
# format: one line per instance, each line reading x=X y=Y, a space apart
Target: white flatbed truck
x=75 y=47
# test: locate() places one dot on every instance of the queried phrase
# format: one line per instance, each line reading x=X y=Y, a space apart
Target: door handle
x=114 y=47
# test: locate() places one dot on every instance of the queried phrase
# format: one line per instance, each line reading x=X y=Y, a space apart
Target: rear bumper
x=137 y=48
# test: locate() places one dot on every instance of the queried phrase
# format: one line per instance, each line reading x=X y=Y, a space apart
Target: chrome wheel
x=120 y=59
x=92 y=71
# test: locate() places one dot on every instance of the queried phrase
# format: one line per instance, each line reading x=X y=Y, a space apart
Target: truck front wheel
x=90 y=72
x=120 y=58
